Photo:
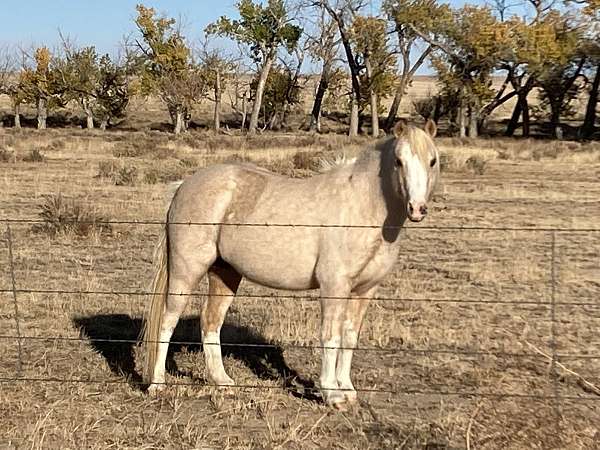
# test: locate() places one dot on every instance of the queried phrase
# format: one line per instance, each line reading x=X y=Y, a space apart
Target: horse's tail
x=153 y=316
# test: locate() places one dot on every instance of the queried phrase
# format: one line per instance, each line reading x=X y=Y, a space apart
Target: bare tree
x=323 y=46
x=218 y=70
x=343 y=13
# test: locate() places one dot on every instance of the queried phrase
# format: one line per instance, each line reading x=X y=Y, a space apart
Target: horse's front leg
x=353 y=318
x=334 y=297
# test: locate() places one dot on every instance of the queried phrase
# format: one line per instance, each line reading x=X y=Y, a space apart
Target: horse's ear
x=400 y=128
x=431 y=128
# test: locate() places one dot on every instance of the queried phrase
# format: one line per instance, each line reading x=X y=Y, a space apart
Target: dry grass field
x=462 y=355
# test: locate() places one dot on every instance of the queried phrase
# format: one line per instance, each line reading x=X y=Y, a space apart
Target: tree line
x=364 y=55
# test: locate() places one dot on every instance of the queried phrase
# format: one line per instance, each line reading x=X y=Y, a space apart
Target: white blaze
x=416 y=175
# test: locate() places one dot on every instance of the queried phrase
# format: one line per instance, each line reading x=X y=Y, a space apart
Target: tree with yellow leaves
x=429 y=15
x=370 y=41
x=39 y=85
x=468 y=43
x=264 y=28
x=168 y=69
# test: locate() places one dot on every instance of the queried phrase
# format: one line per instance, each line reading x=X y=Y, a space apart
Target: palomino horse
x=367 y=203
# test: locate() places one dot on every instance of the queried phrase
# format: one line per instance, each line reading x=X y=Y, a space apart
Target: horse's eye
x=432 y=163
x=398 y=162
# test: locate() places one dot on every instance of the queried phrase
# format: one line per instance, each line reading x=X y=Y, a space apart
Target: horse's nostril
x=410 y=208
x=424 y=209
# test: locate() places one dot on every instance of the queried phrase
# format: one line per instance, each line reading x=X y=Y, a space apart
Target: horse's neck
x=382 y=194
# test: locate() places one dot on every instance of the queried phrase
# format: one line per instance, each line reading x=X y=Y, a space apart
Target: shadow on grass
x=114 y=337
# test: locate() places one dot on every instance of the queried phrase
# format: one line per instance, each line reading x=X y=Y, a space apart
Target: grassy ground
x=428 y=350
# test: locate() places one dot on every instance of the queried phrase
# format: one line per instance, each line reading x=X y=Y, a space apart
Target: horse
x=344 y=241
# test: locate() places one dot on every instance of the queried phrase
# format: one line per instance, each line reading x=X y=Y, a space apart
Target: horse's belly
x=278 y=258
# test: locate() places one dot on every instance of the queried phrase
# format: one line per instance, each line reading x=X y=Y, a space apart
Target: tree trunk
x=473 y=121
x=90 y=119
x=42 y=113
x=104 y=123
x=374 y=115
x=374 y=103
x=587 y=129
x=18 y=116
x=260 y=88
x=218 y=94
x=244 y=112
x=513 y=123
x=437 y=110
x=393 y=113
x=315 y=115
x=462 y=122
x=462 y=116
x=353 y=131
x=89 y=115
x=521 y=108
x=179 y=121
x=526 y=122
x=555 y=108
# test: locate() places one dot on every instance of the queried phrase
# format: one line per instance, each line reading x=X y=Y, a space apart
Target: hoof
x=223 y=382
x=336 y=400
x=155 y=389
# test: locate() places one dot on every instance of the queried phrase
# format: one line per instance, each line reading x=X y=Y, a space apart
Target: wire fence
x=551 y=304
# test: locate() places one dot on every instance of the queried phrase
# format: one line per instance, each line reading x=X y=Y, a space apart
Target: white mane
x=326 y=164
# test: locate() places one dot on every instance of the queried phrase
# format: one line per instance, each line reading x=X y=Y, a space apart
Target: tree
x=592 y=49
x=402 y=13
x=343 y=13
x=79 y=75
x=264 y=28
x=468 y=43
x=281 y=91
x=9 y=80
x=218 y=70
x=370 y=41
x=7 y=68
x=559 y=88
x=39 y=84
x=323 y=48
x=536 y=49
x=113 y=91
x=293 y=66
x=168 y=68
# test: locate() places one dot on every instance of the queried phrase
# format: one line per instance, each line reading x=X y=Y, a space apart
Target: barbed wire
x=307 y=389
x=542 y=229
x=288 y=346
x=309 y=298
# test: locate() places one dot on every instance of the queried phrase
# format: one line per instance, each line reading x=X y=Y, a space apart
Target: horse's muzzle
x=416 y=211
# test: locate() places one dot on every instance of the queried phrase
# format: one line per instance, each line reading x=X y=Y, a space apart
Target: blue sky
x=99 y=23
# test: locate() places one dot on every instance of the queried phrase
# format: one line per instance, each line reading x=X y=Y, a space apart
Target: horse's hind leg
x=223 y=282
x=179 y=290
x=185 y=270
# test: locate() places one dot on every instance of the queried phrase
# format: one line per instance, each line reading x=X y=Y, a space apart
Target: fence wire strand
x=290 y=346
x=540 y=229
x=313 y=390
x=313 y=298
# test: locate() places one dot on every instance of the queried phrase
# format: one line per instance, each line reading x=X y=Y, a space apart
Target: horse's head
x=417 y=166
